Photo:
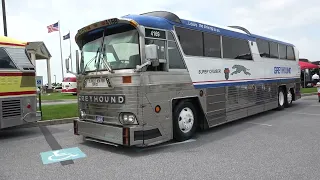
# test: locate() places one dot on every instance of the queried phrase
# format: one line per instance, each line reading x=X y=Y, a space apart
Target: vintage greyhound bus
x=18 y=91
x=149 y=78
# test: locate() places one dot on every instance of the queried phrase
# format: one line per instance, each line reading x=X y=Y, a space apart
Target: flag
x=66 y=36
x=53 y=27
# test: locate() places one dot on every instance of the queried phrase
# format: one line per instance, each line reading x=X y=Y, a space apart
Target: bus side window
x=5 y=60
x=175 y=59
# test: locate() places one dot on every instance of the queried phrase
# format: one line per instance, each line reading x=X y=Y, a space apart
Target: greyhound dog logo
x=239 y=69
x=226 y=73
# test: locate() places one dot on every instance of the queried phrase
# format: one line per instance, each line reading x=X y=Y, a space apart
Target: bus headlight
x=127 y=118
x=82 y=114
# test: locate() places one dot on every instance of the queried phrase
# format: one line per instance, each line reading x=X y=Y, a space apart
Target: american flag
x=53 y=27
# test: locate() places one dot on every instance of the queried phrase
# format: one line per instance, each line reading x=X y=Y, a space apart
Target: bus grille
x=11 y=108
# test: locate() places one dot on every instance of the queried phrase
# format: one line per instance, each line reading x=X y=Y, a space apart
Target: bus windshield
x=121 y=51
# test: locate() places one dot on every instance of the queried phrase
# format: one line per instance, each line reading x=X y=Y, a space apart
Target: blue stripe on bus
x=213 y=29
x=201 y=86
x=162 y=23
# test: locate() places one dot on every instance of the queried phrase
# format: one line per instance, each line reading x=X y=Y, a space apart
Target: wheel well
x=293 y=94
x=284 y=87
x=202 y=123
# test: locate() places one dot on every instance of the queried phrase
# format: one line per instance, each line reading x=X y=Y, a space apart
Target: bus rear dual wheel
x=284 y=99
x=185 y=120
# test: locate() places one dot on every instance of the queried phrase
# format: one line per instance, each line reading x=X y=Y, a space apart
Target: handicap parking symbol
x=61 y=155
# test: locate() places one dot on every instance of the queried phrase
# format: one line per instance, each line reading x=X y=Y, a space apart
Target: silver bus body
x=154 y=103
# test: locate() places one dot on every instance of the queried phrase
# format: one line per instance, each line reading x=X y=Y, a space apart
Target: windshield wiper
x=88 y=63
x=104 y=60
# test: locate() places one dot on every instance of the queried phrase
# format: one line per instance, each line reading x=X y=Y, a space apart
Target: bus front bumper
x=114 y=135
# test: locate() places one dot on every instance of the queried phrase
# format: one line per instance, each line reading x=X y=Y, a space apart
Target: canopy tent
x=306 y=65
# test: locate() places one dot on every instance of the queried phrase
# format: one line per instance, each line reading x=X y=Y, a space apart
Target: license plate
x=97 y=82
x=99 y=118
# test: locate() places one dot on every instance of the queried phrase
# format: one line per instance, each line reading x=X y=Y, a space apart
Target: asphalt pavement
x=272 y=145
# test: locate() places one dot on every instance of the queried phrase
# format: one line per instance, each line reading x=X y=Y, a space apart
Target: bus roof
x=167 y=20
x=7 y=41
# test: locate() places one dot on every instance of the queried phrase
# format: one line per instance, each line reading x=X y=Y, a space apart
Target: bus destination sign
x=155 y=33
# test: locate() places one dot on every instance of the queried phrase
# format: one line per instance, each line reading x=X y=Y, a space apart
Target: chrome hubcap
x=186 y=120
x=289 y=97
x=281 y=98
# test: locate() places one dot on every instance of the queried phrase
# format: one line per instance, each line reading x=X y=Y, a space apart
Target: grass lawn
x=59 y=111
x=57 y=96
x=309 y=90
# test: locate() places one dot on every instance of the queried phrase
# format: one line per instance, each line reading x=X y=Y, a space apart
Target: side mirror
x=152 y=54
x=67 y=65
x=67 y=61
x=79 y=66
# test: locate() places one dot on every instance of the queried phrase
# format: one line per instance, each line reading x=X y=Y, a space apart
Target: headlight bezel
x=128 y=118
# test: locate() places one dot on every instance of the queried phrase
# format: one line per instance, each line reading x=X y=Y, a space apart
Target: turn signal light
x=157 y=109
x=126 y=79
x=126 y=136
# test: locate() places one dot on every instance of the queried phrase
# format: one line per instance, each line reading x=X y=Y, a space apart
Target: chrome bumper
x=115 y=135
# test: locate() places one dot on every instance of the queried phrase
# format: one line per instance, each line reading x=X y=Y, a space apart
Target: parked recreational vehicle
x=69 y=85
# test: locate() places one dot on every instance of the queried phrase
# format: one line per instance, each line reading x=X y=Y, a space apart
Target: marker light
x=126 y=79
x=157 y=109
x=201 y=93
x=133 y=23
x=29 y=106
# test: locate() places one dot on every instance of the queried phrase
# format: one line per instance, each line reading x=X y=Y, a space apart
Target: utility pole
x=4 y=18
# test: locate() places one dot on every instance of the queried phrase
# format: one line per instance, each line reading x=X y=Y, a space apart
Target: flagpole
x=61 y=51
x=70 y=50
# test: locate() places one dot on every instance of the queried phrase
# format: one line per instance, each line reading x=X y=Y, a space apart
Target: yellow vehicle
x=18 y=91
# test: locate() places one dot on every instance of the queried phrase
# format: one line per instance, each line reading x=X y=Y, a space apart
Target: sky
x=295 y=21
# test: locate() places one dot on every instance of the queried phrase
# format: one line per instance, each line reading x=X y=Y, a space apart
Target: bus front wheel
x=185 y=119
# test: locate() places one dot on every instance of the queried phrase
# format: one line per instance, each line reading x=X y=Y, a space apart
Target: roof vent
x=241 y=28
x=164 y=14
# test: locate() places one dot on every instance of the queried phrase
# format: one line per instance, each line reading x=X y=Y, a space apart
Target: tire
x=288 y=99
x=185 y=120
x=281 y=98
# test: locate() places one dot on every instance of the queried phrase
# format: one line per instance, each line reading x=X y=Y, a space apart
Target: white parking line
x=183 y=142
x=260 y=124
x=306 y=114
x=165 y=145
x=316 y=105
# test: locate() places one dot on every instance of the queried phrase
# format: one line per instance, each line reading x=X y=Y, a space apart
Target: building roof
x=40 y=49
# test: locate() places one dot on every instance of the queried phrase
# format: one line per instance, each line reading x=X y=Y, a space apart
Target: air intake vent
x=11 y=108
